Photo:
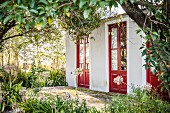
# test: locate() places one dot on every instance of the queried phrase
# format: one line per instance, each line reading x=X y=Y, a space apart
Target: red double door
x=118 y=56
x=83 y=61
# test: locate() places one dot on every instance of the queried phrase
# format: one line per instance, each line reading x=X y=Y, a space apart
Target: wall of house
x=144 y=81
x=70 y=62
x=98 y=77
x=134 y=42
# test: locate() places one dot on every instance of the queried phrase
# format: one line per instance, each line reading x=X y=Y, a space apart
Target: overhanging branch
x=22 y=34
x=137 y=15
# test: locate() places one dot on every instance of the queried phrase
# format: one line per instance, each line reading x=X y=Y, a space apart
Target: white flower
x=118 y=80
x=50 y=82
x=67 y=96
x=78 y=71
x=22 y=92
x=147 y=87
x=18 y=110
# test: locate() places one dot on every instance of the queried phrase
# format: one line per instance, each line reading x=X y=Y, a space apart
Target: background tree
x=40 y=45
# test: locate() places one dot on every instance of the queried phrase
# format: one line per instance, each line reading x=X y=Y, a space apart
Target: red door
x=83 y=61
x=118 y=56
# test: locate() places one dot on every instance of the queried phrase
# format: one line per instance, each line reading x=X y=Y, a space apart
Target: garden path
x=93 y=98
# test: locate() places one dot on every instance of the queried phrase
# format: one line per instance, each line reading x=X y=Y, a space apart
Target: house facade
x=111 y=50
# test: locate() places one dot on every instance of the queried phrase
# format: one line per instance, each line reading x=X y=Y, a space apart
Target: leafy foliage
x=55 y=105
x=11 y=85
x=10 y=92
x=56 y=78
x=156 y=47
x=28 y=15
x=139 y=101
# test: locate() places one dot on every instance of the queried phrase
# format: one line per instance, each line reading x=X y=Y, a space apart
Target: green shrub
x=56 y=78
x=31 y=79
x=10 y=92
x=24 y=77
x=139 y=101
x=55 y=105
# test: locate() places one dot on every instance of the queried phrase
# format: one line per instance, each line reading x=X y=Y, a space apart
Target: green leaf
x=92 y=2
x=66 y=9
x=74 y=1
x=41 y=12
x=23 y=20
x=103 y=3
x=138 y=31
x=50 y=1
x=1 y=16
x=169 y=79
x=27 y=26
x=23 y=7
x=144 y=52
x=82 y=3
x=86 y=13
x=43 y=24
x=40 y=17
x=155 y=33
x=141 y=47
x=132 y=1
x=9 y=17
x=17 y=27
x=114 y=3
x=18 y=1
x=162 y=88
x=34 y=11
x=18 y=18
x=166 y=50
x=40 y=8
x=154 y=37
x=32 y=4
x=44 y=2
x=4 y=4
x=50 y=20
x=121 y=1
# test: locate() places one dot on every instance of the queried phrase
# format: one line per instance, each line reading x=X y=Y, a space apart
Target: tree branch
x=137 y=15
x=6 y=28
x=2 y=40
x=148 y=4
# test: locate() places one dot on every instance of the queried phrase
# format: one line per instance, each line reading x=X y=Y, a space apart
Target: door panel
x=83 y=62
x=118 y=56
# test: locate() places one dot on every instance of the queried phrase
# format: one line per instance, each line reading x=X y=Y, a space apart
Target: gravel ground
x=93 y=98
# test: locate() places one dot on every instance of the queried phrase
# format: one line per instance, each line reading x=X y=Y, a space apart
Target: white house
x=114 y=51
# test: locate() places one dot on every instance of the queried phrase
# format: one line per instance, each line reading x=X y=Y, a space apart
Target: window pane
x=114 y=59
x=123 y=59
x=123 y=38
x=81 y=53
x=114 y=37
x=87 y=56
